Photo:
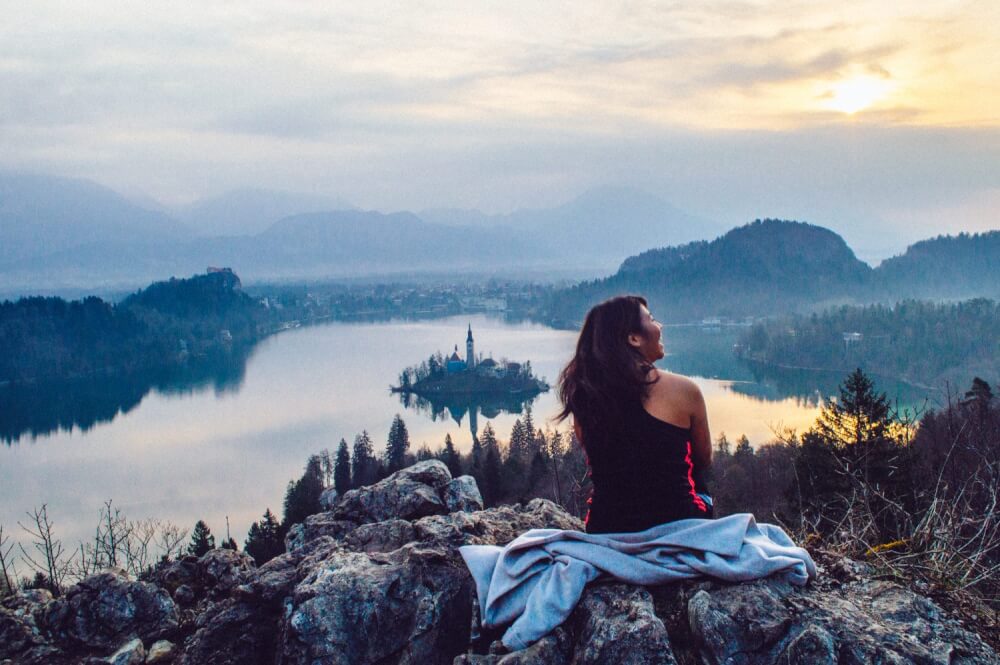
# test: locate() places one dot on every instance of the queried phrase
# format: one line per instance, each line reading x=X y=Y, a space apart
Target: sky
x=879 y=122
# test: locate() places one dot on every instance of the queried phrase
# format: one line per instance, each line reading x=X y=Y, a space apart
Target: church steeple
x=470 y=356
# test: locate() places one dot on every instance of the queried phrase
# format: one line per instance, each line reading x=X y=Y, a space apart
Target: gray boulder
x=315 y=526
x=233 y=632
x=616 y=623
x=380 y=536
x=21 y=621
x=106 y=610
x=769 y=621
x=131 y=653
x=408 y=494
x=162 y=651
x=462 y=494
x=328 y=498
x=411 y=605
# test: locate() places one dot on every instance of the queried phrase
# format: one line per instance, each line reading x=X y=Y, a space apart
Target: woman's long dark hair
x=606 y=373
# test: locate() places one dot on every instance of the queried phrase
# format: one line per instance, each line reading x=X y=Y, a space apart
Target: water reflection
x=39 y=409
x=457 y=406
x=708 y=352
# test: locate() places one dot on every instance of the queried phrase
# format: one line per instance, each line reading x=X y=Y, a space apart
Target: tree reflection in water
x=457 y=406
x=38 y=409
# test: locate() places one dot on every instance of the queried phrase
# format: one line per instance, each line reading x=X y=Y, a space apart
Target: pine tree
x=302 y=496
x=529 y=425
x=744 y=451
x=477 y=457
x=517 y=450
x=229 y=544
x=514 y=479
x=492 y=476
x=363 y=462
x=202 y=540
x=342 y=469
x=450 y=457
x=854 y=449
x=860 y=416
x=397 y=445
x=264 y=540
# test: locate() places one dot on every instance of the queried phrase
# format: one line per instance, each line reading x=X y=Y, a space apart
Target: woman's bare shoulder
x=676 y=383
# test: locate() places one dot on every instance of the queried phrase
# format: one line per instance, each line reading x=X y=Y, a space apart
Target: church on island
x=483 y=367
x=471 y=374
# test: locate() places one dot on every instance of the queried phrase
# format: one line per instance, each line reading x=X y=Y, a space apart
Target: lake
x=206 y=445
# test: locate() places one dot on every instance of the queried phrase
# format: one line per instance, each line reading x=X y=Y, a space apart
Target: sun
x=856 y=94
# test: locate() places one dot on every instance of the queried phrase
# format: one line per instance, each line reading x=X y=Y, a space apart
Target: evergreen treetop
x=202 y=540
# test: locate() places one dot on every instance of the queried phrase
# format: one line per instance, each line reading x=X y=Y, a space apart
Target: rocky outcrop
x=378 y=579
x=106 y=610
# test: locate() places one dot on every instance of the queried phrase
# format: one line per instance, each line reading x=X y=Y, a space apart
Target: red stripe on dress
x=694 y=494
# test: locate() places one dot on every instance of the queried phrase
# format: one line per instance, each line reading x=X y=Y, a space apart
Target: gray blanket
x=537 y=579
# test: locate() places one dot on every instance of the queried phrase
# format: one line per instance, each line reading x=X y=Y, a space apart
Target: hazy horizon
x=877 y=122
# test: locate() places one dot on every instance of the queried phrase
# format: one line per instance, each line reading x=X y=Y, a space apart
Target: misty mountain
x=776 y=267
x=61 y=233
x=762 y=268
x=251 y=211
x=603 y=225
x=954 y=267
x=42 y=214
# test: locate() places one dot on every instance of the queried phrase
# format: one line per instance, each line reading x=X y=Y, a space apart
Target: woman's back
x=643 y=474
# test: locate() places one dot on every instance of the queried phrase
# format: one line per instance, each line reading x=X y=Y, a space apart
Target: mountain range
x=59 y=233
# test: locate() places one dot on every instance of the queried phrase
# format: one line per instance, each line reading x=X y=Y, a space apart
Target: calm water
x=203 y=445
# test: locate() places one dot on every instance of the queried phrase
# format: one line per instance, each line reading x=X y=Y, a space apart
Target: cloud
x=717 y=105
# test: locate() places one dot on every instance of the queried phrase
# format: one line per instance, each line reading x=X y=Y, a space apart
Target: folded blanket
x=537 y=579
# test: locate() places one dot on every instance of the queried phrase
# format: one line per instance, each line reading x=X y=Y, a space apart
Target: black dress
x=642 y=475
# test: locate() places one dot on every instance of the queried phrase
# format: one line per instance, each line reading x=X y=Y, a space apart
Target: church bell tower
x=470 y=356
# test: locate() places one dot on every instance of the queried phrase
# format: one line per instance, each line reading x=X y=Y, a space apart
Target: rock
x=175 y=574
x=43 y=655
x=769 y=621
x=745 y=618
x=380 y=536
x=328 y=498
x=107 y=609
x=222 y=570
x=408 y=494
x=214 y=575
x=21 y=618
x=814 y=646
x=553 y=649
x=496 y=526
x=16 y=634
x=162 y=651
x=184 y=595
x=615 y=623
x=433 y=472
x=412 y=605
x=131 y=653
x=379 y=579
x=315 y=526
x=232 y=632
x=462 y=494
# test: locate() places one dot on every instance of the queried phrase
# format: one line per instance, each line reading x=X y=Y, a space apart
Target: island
x=440 y=376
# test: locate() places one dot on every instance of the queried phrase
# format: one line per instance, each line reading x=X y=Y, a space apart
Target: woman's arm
x=701 y=438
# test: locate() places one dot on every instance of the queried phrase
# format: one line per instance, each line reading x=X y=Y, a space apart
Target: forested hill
x=775 y=267
x=956 y=267
x=171 y=322
x=763 y=267
x=917 y=341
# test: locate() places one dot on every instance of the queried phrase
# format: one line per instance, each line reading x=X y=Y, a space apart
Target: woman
x=644 y=430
